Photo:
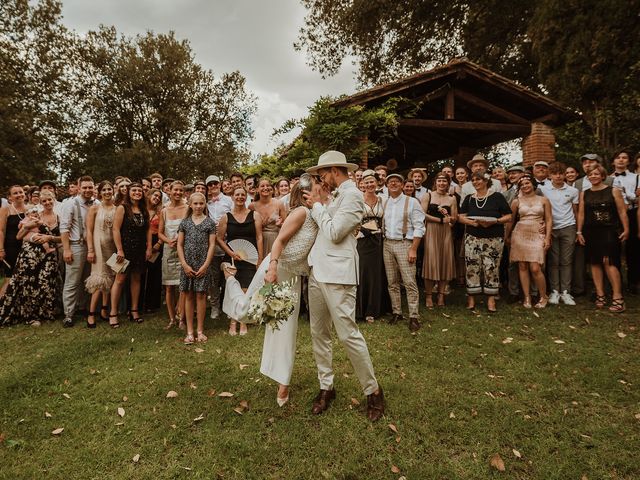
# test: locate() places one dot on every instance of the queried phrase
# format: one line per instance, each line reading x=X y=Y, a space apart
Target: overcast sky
x=253 y=36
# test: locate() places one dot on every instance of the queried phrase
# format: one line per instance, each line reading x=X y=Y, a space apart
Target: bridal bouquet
x=273 y=304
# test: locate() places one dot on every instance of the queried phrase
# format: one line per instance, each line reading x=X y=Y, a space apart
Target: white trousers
x=334 y=303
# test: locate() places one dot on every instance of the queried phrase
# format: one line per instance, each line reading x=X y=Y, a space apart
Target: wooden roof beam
x=490 y=107
x=473 y=126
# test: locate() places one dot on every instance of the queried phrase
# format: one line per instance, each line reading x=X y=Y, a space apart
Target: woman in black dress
x=602 y=227
x=132 y=237
x=372 y=299
x=240 y=223
x=10 y=218
x=34 y=287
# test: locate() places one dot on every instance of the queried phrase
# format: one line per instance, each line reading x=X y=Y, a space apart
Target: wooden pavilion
x=464 y=108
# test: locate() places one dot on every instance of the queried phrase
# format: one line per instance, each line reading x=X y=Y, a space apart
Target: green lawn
x=562 y=393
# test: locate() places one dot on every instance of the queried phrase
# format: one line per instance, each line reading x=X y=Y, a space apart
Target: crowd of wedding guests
x=129 y=247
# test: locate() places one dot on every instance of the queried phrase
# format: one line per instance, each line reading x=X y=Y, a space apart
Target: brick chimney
x=539 y=145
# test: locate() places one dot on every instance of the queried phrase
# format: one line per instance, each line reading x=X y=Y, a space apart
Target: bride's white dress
x=279 y=349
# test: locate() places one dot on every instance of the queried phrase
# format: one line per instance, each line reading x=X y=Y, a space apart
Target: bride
x=287 y=260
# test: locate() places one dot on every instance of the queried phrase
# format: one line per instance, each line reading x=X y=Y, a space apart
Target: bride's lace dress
x=279 y=345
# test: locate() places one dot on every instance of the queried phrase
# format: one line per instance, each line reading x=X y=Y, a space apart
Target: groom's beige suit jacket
x=334 y=256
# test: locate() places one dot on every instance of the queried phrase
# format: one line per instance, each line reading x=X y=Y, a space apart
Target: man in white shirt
x=629 y=184
x=73 y=234
x=564 y=201
x=418 y=176
x=404 y=227
x=218 y=206
x=478 y=164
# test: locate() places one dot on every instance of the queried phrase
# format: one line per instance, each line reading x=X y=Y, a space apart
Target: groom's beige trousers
x=336 y=303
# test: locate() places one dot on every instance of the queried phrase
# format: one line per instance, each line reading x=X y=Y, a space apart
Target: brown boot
x=323 y=400
x=375 y=405
x=414 y=324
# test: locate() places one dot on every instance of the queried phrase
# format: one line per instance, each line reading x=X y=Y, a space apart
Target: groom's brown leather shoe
x=322 y=401
x=375 y=405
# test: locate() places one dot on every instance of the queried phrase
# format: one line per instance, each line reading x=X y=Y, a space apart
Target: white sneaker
x=567 y=299
x=554 y=298
x=215 y=313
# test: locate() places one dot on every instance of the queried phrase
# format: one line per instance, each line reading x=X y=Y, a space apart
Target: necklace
x=482 y=200
x=18 y=213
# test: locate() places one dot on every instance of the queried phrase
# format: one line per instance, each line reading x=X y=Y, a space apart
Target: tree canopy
x=583 y=54
x=104 y=104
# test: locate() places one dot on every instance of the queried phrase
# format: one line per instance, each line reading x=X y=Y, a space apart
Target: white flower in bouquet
x=273 y=304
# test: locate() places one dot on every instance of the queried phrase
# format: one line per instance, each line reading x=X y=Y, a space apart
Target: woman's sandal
x=429 y=301
x=201 y=337
x=617 y=305
x=542 y=303
x=133 y=319
x=172 y=323
x=102 y=317
x=114 y=325
x=601 y=301
x=91 y=325
x=188 y=340
x=441 y=300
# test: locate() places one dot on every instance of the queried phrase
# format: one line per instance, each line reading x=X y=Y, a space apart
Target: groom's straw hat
x=330 y=159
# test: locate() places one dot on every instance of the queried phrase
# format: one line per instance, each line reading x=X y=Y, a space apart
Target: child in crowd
x=196 y=244
x=31 y=224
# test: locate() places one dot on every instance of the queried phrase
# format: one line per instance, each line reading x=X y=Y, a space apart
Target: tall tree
x=147 y=105
x=34 y=90
x=580 y=52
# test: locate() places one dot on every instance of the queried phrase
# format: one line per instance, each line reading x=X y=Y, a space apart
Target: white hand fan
x=245 y=249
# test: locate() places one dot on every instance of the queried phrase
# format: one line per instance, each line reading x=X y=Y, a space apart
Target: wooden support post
x=449 y=105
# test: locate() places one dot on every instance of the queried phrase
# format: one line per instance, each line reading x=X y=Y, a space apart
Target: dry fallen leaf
x=66 y=395
x=398 y=439
x=537 y=316
x=47 y=415
x=136 y=458
x=184 y=372
x=243 y=366
x=516 y=453
x=452 y=415
x=57 y=431
x=507 y=340
x=395 y=469
x=193 y=386
x=584 y=477
x=393 y=428
x=637 y=416
x=354 y=402
x=560 y=342
x=621 y=334
x=198 y=350
x=172 y=394
x=211 y=392
x=125 y=398
x=121 y=411
x=225 y=394
x=497 y=462
x=119 y=424
x=199 y=418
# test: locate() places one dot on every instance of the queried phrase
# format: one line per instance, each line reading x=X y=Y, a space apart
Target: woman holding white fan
x=244 y=225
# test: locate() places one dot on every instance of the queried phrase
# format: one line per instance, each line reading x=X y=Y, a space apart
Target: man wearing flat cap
x=334 y=278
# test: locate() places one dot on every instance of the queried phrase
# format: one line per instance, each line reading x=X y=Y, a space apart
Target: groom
x=333 y=280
